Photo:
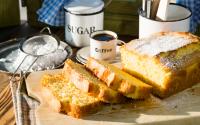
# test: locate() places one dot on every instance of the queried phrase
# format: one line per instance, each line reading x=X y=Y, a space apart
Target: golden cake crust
x=61 y=100
x=119 y=80
x=168 y=71
x=84 y=80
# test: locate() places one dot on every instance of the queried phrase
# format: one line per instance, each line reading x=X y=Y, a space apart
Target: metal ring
x=46 y=28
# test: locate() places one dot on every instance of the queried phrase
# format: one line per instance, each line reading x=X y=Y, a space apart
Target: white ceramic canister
x=178 y=19
x=82 y=17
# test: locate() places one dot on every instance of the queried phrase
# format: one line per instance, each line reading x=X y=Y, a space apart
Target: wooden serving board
x=182 y=108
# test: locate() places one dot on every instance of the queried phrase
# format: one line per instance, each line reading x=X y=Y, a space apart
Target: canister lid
x=84 y=6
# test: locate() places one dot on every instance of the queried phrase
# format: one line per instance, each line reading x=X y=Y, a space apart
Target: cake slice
x=63 y=96
x=169 y=61
x=87 y=82
x=119 y=80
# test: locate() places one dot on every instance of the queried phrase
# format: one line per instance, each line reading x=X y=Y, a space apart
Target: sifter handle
x=46 y=28
x=18 y=68
x=13 y=76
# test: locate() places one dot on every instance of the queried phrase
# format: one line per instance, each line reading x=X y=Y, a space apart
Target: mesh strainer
x=37 y=46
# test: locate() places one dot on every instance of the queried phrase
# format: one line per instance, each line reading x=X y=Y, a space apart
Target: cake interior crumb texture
x=87 y=82
x=170 y=62
x=73 y=101
x=119 y=80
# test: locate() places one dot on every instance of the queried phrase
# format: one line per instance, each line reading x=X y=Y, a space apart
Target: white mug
x=104 y=50
x=178 y=19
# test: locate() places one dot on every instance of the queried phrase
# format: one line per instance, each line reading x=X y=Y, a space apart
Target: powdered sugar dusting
x=154 y=45
x=49 y=61
x=40 y=45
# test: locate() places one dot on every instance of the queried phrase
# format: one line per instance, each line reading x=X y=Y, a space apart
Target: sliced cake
x=119 y=80
x=87 y=82
x=63 y=96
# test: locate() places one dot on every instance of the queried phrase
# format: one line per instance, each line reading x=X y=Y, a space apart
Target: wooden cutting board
x=180 y=109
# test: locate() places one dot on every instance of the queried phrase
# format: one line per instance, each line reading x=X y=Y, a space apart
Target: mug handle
x=119 y=44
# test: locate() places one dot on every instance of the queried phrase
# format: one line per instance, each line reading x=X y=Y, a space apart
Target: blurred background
x=121 y=16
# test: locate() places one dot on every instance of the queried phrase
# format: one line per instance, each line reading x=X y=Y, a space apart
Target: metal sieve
x=37 y=46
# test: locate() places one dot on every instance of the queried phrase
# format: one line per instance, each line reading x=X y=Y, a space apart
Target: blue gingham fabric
x=52 y=12
x=194 y=6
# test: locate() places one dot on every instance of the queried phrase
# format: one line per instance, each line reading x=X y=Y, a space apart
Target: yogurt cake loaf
x=63 y=96
x=169 y=61
x=84 y=80
x=119 y=80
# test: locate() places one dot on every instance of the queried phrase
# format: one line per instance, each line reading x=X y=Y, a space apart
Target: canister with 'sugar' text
x=82 y=17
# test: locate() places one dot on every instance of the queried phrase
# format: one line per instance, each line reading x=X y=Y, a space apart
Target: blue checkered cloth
x=194 y=6
x=52 y=12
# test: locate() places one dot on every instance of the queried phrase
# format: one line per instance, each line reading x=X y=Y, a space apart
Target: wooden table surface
x=7 y=116
x=6 y=107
